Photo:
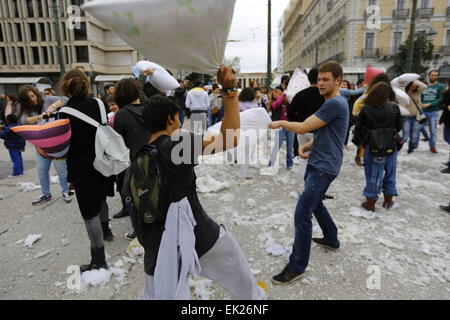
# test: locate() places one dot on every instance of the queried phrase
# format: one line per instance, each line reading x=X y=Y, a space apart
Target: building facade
x=28 y=42
x=245 y=79
x=346 y=31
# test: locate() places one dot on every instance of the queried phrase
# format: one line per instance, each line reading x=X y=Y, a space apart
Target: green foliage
x=423 y=53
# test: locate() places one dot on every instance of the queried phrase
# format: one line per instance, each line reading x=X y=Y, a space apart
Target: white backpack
x=111 y=154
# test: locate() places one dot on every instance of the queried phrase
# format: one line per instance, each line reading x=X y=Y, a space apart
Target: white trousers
x=225 y=264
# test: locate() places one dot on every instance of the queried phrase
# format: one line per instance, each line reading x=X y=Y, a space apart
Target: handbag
x=420 y=117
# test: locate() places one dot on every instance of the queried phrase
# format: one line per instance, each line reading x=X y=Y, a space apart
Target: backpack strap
x=102 y=111
x=80 y=115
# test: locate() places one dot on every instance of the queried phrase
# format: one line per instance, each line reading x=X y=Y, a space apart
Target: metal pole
x=62 y=65
x=269 y=45
x=409 y=60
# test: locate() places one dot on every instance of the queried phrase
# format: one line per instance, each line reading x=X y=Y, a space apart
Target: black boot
x=98 y=260
x=107 y=233
x=121 y=214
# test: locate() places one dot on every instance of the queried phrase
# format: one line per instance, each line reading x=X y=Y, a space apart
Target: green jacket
x=433 y=95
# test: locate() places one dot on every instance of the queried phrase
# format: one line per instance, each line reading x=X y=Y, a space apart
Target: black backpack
x=144 y=185
x=382 y=140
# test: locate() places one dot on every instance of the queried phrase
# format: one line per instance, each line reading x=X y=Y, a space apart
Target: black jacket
x=372 y=117
x=445 y=118
x=91 y=186
x=2 y=110
x=128 y=122
x=305 y=103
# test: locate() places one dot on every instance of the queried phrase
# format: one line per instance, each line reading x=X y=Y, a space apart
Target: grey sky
x=250 y=28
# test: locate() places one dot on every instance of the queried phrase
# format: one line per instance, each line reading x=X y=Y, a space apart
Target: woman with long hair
x=91 y=187
x=31 y=104
x=359 y=104
x=377 y=128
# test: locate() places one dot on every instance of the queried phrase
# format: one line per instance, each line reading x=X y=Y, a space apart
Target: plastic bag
x=182 y=34
x=299 y=81
x=160 y=79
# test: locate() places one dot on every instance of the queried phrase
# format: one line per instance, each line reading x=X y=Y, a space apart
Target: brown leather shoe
x=369 y=204
x=388 y=202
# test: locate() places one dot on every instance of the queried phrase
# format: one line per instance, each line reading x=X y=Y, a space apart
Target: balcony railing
x=369 y=53
x=425 y=12
x=401 y=13
x=444 y=50
x=388 y=52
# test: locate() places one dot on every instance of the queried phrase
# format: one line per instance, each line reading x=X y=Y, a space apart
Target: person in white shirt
x=197 y=100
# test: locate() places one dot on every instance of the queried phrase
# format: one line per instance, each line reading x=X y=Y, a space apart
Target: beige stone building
x=28 y=44
x=345 y=31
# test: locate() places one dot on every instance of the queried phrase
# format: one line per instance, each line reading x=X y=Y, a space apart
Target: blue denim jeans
x=289 y=136
x=411 y=132
x=16 y=158
x=309 y=203
x=432 y=120
x=43 y=166
x=380 y=175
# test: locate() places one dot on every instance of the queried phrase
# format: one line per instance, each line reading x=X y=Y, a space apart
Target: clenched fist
x=226 y=77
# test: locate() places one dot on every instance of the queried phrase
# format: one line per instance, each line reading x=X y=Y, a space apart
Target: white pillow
x=183 y=34
x=160 y=79
x=299 y=81
x=255 y=118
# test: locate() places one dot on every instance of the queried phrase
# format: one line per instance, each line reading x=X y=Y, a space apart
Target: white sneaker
x=66 y=197
x=15 y=176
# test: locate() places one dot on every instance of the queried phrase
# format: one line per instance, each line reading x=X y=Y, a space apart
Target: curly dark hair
x=26 y=104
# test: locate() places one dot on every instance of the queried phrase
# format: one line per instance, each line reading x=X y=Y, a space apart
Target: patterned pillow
x=52 y=139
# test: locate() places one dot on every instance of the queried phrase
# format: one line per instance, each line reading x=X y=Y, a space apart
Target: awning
x=359 y=70
x=25 y=80
x=111 y=77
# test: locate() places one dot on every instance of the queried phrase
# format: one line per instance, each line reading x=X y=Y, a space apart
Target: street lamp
x=430 y=33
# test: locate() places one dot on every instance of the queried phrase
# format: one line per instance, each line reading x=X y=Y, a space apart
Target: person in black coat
x=91 y=187
x=305 y=103
x=128 y=122
x=445 y=120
